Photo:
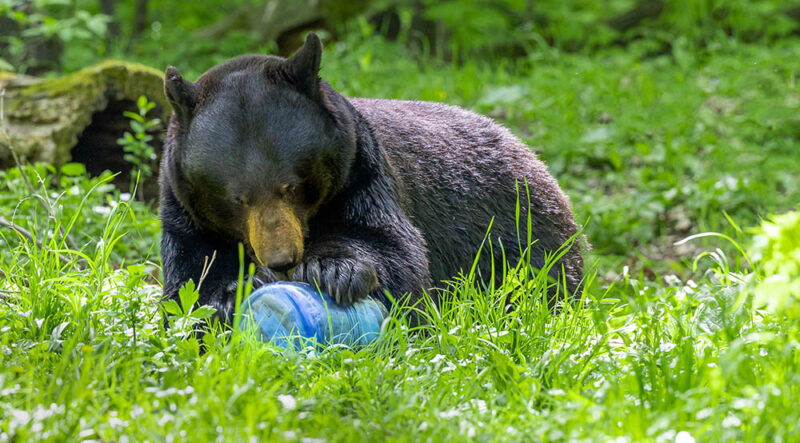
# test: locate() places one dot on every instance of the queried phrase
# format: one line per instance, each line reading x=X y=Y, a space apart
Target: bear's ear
x=181 y=94
x=303 y=66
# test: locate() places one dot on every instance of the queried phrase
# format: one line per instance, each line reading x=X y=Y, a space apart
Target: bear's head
x=256 y=146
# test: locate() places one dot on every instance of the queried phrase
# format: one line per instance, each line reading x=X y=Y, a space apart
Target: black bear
x=359 y=196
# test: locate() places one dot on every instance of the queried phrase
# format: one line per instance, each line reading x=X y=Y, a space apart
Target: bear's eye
x=287 y=190
x=241 y=200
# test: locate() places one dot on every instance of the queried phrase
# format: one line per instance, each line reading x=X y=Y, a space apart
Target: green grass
x=650 y=149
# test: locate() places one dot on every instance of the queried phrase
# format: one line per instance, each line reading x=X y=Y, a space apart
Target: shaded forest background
x=46 y=36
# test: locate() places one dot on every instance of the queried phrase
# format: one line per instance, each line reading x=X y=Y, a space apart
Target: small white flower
x=288 y=402
x=684 y=437
x=731 y=421
x=704 y=413
x=741 y=403
x=666 y=347
x=449 y=414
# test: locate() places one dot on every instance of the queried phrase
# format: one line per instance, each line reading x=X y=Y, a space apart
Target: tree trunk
x=793 y=12
x=282 y=21
x=108 y=8
x=78 y=117
x=268 y=20
x=140 y=19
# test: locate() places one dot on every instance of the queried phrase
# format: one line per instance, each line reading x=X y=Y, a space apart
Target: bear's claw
x=345 y=280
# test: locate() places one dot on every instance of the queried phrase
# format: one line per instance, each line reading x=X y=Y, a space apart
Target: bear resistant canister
x=294 y=315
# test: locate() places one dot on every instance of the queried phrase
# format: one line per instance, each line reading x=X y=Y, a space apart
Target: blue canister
x=293 y=315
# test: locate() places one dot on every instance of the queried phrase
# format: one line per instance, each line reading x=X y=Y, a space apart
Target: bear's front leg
x=185 y=252
x=350 y=266
x=184 y=258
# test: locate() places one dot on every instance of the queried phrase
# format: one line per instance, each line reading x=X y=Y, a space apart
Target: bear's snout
x=276 y=236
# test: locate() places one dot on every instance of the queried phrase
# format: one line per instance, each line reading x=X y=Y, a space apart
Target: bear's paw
x=345 y=280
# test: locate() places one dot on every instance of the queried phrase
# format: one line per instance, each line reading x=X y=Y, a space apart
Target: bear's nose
x=279 y=261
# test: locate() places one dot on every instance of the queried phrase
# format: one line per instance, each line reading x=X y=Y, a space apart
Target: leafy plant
x=136 y=145
x=186 y=316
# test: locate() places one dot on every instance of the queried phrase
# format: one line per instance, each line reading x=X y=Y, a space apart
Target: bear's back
x=459 y=172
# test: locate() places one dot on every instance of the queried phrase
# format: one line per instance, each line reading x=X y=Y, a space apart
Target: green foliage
x=137 y=146
x=700 y=21
x=53 y=21
x=482 y=27
x=776 y=248
x=477 y=24
x=464 y=29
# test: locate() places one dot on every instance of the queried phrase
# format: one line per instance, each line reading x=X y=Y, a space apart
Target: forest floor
x=663 y=347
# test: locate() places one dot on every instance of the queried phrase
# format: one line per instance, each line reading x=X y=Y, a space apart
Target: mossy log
x=78 y=117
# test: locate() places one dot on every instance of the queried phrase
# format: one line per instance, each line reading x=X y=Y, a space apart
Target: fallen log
x=78 y=117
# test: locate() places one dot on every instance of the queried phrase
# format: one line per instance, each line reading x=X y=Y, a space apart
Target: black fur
x=391 y=195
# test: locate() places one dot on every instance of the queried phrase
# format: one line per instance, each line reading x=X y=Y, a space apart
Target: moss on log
x=77 y=117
